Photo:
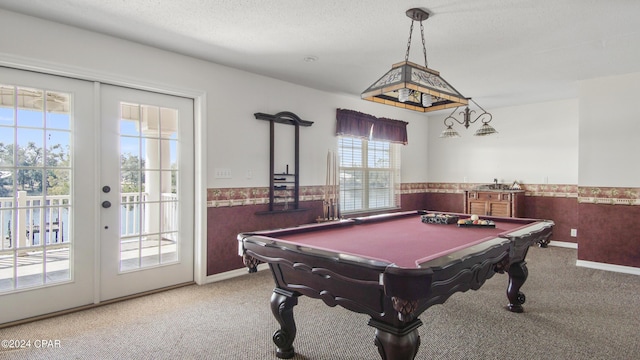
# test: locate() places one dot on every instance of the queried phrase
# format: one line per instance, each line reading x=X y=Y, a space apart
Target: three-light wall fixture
x=484 y=117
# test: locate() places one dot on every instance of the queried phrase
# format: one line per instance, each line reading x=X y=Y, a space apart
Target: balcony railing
x=46 y=220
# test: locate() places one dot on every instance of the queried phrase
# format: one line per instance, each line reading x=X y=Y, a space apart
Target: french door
x=47 y=194
x=146 y=187
x=94 y=204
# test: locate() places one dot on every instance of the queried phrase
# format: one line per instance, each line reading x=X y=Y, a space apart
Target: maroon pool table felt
x=405 y=242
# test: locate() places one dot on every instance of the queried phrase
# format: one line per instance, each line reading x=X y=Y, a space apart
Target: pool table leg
x=517 y=275
x=282 y=303
x=397 y=344
x=544 y=243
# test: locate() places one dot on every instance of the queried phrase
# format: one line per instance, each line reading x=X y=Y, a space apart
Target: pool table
x=391 y=267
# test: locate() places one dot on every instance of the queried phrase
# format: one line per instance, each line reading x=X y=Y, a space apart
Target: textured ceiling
x=500 y=52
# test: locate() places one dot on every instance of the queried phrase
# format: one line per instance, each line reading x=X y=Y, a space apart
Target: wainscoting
x=603 y=217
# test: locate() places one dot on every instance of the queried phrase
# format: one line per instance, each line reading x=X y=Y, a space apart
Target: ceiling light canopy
x=411 y=86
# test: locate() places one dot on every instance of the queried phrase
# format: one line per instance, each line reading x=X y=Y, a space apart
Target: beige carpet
x=570 y=313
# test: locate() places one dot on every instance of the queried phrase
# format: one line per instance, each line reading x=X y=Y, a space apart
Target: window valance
x=357 y=124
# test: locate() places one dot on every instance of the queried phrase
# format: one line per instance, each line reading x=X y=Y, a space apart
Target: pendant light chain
x=406 y=56
x=424 y=46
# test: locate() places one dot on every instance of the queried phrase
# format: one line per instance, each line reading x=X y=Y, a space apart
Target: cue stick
x=333 y=186
x=325 y=203
x=337 y=185
x=329 y=185
x=335 y=189
x=324 y=195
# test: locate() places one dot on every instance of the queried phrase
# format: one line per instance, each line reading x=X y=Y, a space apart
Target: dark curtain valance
x=357 y=124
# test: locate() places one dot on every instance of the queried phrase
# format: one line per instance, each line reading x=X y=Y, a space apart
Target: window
x=369 y=174
x=35 y=187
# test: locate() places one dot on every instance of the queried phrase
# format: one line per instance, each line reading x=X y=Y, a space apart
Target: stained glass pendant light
x=412 y=86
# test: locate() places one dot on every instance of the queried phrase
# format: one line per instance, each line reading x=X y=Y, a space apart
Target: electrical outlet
x=574 y=232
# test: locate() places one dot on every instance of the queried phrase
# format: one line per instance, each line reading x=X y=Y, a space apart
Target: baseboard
x=564 y=244
x=231 y=274
x=608 y=267
x=596 y=265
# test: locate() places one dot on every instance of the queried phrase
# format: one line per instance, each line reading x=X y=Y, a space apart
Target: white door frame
x=200 y=141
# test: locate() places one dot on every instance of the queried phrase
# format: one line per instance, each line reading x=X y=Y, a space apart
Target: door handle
x=106 y=204
x=106 y=189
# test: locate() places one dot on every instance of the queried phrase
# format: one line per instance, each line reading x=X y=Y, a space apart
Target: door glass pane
x=6 y=153
x=58 y=121
x=130 y=153
x=30 y=270
x=30 y=107
x=58 y=148
x=30 y=147
x=57 y=262
x=7 y=101
x=148 y=169
x=35 y=183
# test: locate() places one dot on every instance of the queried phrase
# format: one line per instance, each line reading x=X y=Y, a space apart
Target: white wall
x=610 y=131
x=535 y=144
x=236 y=140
